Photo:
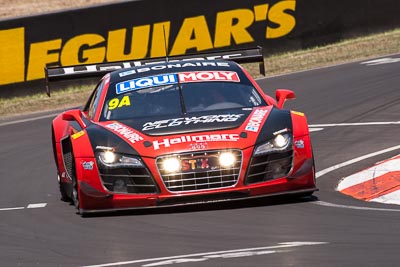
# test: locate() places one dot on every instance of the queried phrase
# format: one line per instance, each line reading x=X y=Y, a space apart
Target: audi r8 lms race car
x=172 y=132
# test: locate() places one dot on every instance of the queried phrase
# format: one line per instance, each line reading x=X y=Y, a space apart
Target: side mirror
x=282 y=95
x=74 y=115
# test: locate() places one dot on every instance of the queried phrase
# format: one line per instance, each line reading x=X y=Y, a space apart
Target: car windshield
x=179 y=98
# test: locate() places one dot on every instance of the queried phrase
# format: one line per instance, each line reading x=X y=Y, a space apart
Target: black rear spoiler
x=250 y=55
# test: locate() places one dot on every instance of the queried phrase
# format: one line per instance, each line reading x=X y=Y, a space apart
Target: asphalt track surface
x=331 y=229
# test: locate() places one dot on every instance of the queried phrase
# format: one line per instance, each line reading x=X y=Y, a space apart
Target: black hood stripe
x=100 y=136
x=277 y=120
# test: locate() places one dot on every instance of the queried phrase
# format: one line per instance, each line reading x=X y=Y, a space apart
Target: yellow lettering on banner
x=194 y=33
x=158 y=42
x=83 y=45
x=233 y=23
x=40 y=55
x=232 y=27
x=286 y=22
x=138 y=49
x=260 y=12
x=12 y=55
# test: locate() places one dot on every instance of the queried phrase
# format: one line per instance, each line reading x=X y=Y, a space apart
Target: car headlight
x=227 y=159
x=108 y=157
x=112 y=159
x=171 y=165
x=280 y=143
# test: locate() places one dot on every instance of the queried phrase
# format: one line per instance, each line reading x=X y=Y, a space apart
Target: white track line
x=16 y=208
x=210 y=255
x=329 y=66
x=346 y=163
x=30 y=206
x=315 y=129
x=28 y=119
x=369 y=174
x=356 y=124
x=36 y=206
x=391 y=198
x=349 y=162
x=327 y=204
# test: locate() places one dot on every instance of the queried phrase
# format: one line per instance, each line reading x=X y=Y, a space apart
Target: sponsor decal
x=78 y=134
x=126 y=132
x=183 y=77
x=299 y=143
x=168 y=142
x=255 y=120
x=146 y=82
x=198 y=146
x=178 y=65
x=116 y=103
x=203 y=76
x=87 y=165
x=23 y=60
x=191 y=120
x=199 y=163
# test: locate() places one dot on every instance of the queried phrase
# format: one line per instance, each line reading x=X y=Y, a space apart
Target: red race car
x=171 y=132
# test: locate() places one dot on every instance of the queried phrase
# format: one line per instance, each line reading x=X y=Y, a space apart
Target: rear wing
x=252 y=55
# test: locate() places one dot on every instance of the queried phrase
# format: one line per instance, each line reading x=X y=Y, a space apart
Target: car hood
x=228 y=129
x=198 y=122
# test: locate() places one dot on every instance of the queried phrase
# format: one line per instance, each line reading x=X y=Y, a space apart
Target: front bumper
x=300 y=179
x=96 y=201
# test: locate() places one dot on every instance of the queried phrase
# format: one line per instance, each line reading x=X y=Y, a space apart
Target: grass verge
x=346 y=51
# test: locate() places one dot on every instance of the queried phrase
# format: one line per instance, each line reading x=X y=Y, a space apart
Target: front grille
x=201 y=171
x=267 y=167
x=136 y=180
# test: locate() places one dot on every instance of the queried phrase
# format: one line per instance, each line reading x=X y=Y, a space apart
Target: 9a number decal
x=116 y=103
